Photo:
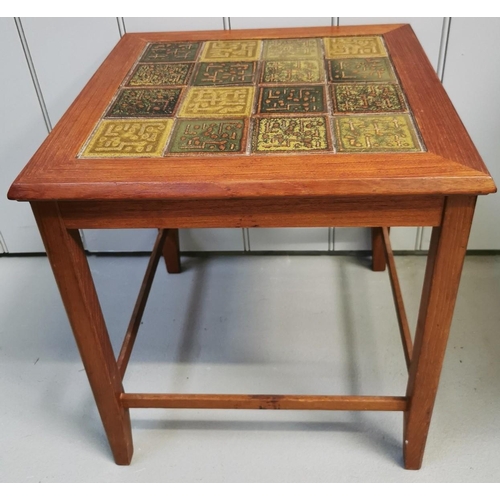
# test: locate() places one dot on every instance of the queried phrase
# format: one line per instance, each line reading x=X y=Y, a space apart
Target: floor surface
x=256 y=324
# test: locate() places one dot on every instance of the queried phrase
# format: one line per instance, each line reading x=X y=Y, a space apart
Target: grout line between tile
x=34 y=77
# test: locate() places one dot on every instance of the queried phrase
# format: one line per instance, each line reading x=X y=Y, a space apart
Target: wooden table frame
x=437 y=188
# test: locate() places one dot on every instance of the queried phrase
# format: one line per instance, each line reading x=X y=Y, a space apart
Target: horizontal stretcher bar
x=264 y=402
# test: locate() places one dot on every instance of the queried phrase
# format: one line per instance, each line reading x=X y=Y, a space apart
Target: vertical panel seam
x=335 y=21
x=121 y=26
x=443 y=49
x=32 y=70
x=3 y=245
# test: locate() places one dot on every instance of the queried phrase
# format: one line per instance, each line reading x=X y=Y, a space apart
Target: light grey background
x=51 y=59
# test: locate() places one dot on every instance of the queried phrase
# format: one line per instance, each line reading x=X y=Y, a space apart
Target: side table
x=340 y=126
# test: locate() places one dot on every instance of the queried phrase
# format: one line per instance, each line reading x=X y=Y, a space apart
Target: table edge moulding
x=432 y=177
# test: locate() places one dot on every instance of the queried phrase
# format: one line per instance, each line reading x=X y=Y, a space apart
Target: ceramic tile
x=217 y=102
x=354 y=46
x=292 y=49
x=309 y=71
x=231 y=50
x=145 y=102
x=376 y=69
x=171 y=52
x=208 y=136
x=158 y=75
x=367 y=98
x=225 y=73
x=292 y=99
x=303 y=134
x=122 y=138
x=372 y=134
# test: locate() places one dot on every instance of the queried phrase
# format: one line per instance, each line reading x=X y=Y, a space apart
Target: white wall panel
x=66 y=52
x=472 y=80
x=172 y=23
x=291 y=239
x=22 y=130
x=211 y=240
x=278 y=22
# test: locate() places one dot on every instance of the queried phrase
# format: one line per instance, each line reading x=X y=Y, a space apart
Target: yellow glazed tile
x=272 y=135
x=217 y=102
x=354 y=46
x=292 y=49
x=128 y=138
x=231 y=50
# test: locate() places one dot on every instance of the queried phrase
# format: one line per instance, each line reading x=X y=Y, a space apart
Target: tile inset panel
x=208 y=136
x=171 y=52
x=354 y=46
x=376 y=133
x=225 y=73
x=122 y=138
x=309 y=71
x=217 y=102
x=231 y=50
x=159 y=75
x=292 y=99
x=292 y=49
x=290 y=135
x=145 y=102
x=376 y=69
x=268 y=96
x=367 y=98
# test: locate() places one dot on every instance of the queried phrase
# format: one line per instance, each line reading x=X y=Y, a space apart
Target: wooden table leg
x=442 y=277
x=378 y=255
x=171 y=252
x=69 y=264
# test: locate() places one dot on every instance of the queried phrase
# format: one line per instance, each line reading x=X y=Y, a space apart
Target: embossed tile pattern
x=293 y=72
x=367 y=98
x=145 y=102
x=225 y=73
x=142 y=138
x=381 y=133
x=291 y=134
x=171 y=52
x=292 y=99
x=298 y=95
x=208 y=136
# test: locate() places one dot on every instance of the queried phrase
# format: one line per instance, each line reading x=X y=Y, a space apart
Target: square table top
x=336 y=111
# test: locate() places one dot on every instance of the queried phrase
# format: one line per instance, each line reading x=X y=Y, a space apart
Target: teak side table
x=340 y=126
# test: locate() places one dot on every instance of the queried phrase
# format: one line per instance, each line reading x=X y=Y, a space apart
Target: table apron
x=375 y=211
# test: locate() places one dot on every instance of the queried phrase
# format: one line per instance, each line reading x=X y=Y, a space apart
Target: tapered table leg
x=171 y=252
x=378 y=255
x=69 y=264
x=442 y=277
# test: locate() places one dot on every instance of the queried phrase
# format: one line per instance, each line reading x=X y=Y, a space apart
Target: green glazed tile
x=225 y=73
x=367 y=98
x=376 y=134
x=145 y=102
x=375 y=69
x=208 y=136
x=292 y=99
x=159 y=75
x=292 y=49
x=171 y=52
x=309 y=71
x=291 y=135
